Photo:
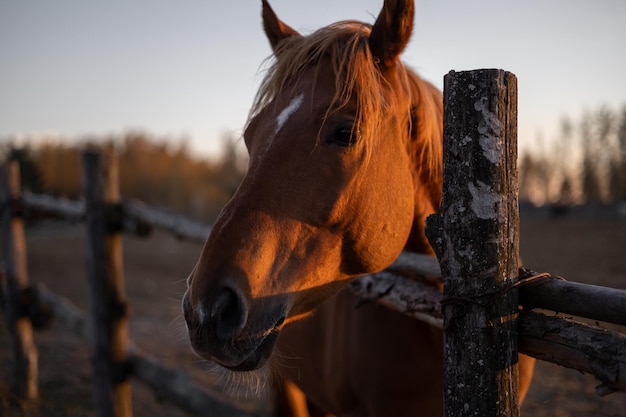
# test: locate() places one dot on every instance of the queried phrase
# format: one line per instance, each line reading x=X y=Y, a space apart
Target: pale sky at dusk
x=191 y=68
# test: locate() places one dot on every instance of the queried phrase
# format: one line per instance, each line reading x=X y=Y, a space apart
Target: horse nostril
x=228 y=314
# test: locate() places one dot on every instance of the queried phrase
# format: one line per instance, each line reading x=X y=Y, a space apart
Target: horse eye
x=344 y=135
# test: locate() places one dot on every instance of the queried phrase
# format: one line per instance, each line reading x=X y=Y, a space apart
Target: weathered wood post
x=475 y=236
x=109 y=307
x=14 y=248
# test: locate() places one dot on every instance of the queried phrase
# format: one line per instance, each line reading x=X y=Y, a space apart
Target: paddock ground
x=584 y=250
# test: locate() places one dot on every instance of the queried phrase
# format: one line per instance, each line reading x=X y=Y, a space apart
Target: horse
x=345 y=146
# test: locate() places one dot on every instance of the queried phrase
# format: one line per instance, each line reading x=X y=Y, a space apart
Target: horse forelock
x=346 y=46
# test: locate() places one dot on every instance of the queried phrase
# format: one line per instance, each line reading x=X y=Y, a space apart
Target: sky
x=190 y=69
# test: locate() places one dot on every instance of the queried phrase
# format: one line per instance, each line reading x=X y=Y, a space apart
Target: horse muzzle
x=220 y=330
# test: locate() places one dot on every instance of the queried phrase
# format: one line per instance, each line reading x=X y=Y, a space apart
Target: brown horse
x=345 y=165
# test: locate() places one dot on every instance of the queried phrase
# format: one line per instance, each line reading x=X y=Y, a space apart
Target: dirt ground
x=591 y=251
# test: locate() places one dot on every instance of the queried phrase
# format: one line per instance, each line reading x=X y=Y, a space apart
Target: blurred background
x=168 y=85
x=172 y=83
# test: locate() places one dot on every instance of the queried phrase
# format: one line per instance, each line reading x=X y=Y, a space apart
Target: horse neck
x=426 y=154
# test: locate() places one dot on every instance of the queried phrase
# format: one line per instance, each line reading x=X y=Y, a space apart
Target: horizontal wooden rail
x=180 y=226
x=554 y=339
x=417 y=272
x=136 y=216
x=582 y=300
x=589 y=349
x=410 y=297
x=167 y=383
x=73 y=210
x=179 y=389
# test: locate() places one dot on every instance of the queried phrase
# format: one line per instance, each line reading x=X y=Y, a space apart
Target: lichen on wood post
x=475 y=236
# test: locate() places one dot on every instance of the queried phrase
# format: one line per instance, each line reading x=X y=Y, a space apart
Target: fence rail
x=137 y=217
x=116 y=357
x=172 y=384
x=409 y=286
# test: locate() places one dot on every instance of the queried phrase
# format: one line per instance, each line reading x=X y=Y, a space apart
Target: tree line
x=585 y=163
x=157 y=171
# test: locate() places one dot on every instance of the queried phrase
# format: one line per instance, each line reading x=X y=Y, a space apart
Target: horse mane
x=427 y=134
x=346 y=45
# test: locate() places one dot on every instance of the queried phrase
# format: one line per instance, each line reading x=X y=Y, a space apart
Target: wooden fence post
x=475 y=235
x=14 y=248
x=109 y=308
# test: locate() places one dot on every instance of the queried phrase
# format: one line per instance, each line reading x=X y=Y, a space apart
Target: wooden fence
x=115 y=358
x=475 y=236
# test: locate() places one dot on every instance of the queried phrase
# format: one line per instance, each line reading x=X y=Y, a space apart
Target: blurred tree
x=617 y=178
x=231 y=166
x=604 y=124
x=164 y=172
x=590 y=180
x=30 y=176
x=565 y=149
x=159 y=171
x=536 y=174
x=585 y=163
x=60 y=168
x=527 y=169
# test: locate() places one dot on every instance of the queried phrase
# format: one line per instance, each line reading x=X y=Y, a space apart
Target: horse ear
x=275 y=29
x=392 y=31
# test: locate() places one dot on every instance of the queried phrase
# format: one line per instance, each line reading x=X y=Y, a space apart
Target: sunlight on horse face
x=329 y=194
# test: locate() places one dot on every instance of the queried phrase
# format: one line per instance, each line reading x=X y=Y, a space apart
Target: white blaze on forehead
x=287 y=112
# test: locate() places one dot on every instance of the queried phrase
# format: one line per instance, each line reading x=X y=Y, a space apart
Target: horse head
x=333 y=190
